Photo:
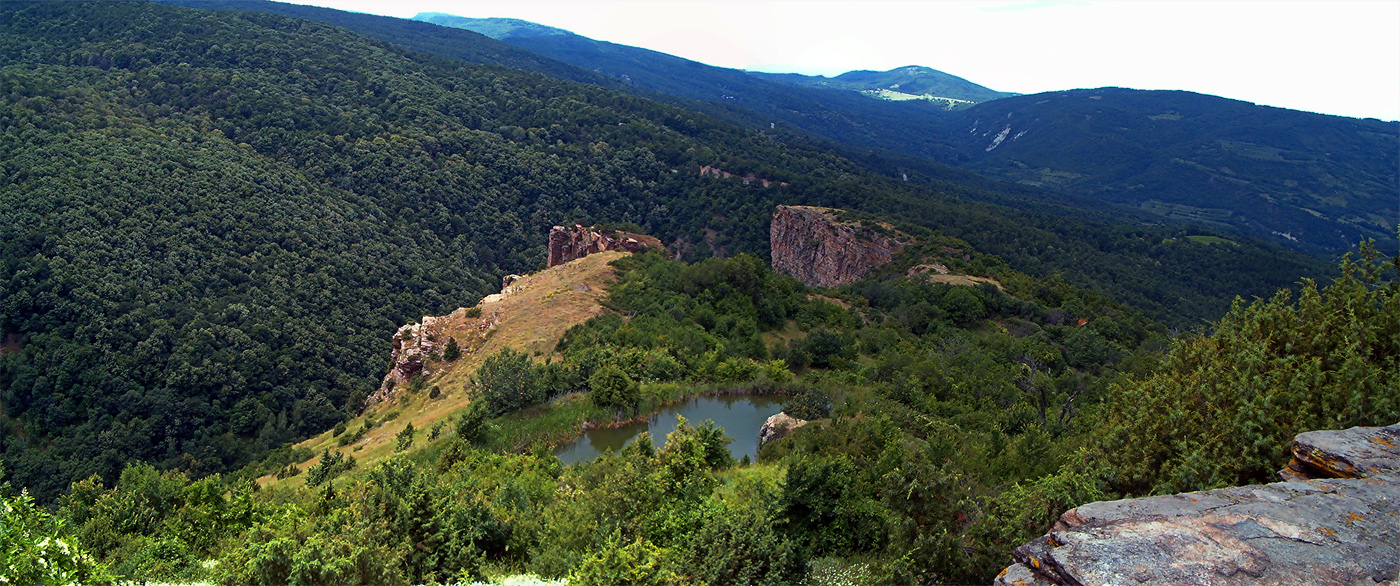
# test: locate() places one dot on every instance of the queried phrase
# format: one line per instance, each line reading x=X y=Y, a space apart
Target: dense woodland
x=1309 y=181
x=213 y=222
x=949 y=424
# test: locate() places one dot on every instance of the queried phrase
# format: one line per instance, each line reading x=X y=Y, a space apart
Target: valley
x=291 y=295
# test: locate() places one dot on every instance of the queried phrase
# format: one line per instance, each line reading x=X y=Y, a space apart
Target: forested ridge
x=947 y=425
x=212 y=222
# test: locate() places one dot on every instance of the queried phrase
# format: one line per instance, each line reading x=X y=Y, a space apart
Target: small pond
x=739 y=415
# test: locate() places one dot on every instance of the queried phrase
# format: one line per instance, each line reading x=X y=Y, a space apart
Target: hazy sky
x=1331 y=57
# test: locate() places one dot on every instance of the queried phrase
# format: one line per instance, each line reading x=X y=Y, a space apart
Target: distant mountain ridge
x=914 y=81
x=839 y=115
x=900 y=83
x=1314 y=181
x=1166 y=170
x=1310 y=181
x=496 y=28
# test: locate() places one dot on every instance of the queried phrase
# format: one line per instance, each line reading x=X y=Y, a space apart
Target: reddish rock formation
x=412 y=344
x=811 y=245
x=567 y=244
x=1337 y=522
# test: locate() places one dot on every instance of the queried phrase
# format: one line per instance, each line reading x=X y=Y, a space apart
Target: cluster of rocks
x=1334 y=520
x=566 y=244
x=811 y=245
x=747 y=179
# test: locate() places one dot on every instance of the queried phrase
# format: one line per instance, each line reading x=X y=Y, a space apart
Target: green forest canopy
x=212 y=222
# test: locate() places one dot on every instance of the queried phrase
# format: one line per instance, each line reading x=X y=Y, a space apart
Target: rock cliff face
x=566 y=244
x=1336 y=520
x=811 y=245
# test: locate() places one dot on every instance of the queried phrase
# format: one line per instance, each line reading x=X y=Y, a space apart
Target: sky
x=1331 y=57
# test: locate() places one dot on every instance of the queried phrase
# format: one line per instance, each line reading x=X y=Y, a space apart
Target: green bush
x=471 y=424
x=36 y=547
x=743 y=547
x=1224 y=407
x=404 y=439
x=639 y=563
x=330 y=466
x=808 y=403
x=508 y=381
x=611 y=388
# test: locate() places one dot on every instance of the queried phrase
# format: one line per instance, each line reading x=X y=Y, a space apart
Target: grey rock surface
x=1339 y=527
x=778 y=426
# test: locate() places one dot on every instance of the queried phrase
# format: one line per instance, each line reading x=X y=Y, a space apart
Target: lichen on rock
x=1336 y=522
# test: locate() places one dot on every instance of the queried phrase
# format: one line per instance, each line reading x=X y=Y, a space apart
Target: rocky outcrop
x=778 y=426
x=747 y=179
x=566 y=244
x=412 y=345
x=813 y=246
x=1359 y=452
x=1335 y=521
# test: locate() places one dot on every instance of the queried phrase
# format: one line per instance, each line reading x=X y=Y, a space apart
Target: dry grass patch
x=531 y=316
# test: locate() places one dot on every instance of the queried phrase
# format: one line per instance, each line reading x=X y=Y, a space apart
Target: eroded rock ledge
x=1336 y=520
x=566 y=244
x=811 y=245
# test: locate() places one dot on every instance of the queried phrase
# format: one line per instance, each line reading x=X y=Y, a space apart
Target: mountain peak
x=496 y=28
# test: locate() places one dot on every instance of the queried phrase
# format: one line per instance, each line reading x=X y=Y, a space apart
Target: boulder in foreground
x=1337 y=521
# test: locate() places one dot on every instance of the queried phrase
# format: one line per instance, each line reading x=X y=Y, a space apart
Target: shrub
x=611 y=388
x=35 y=547
x=809 y=404
x=452 y=352
x=1224 y=408
x=404 y=439
x=639 y=563
x=330 y=466
x=471 y=424
x=508 y=381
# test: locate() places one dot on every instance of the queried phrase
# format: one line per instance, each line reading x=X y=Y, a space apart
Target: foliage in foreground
x=1224 y=408
x=37 y=548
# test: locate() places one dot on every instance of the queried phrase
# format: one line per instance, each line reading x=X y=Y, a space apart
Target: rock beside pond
x=778 y=426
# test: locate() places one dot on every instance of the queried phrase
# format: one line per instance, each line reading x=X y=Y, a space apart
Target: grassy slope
x=533 y=317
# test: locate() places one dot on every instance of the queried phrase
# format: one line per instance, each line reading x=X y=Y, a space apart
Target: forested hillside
x=1172 y=158
x=1315 y=182
x=945 y=426
x=213 y=221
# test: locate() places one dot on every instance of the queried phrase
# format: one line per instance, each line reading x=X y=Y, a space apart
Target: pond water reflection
x=740 y=416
